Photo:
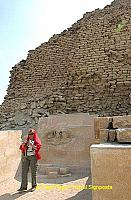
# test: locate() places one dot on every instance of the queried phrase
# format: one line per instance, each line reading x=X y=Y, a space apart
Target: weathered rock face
x=86 y=68
x=110 y=167
x=66 y=140
x=10 y=154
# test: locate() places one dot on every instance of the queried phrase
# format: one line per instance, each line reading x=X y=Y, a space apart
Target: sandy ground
x=64 y=189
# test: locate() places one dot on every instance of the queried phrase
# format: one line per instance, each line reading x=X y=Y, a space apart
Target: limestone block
x=96 y=128
x=41 y=169
x=112 y=135
x=52 y=174
x=88 y=83
x=122 y=121
x=12 y=163
x=110 y=166
x=66 y=138
x=64 y=170
x=10 y=154
x=30 y=121
x=100 y=123
x=103 y=135
x=3 y=139
x=14 y=138
x=33 y=105
x=52 y=169
x=65 y=175
x=124 y=135
x=3 y=166
x=20 y=118
x=42 y=103
x=10 y=151
x=23 y=106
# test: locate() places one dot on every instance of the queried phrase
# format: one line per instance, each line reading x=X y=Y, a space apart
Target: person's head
x=31 y=133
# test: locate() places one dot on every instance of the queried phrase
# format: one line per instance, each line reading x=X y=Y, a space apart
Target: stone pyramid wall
x=86 y=68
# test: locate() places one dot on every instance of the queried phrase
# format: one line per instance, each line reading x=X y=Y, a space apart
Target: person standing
x=30 y=155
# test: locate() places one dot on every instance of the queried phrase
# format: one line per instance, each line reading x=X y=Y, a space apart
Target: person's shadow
x=14 y=196
x=84 y=194
x=18 y=172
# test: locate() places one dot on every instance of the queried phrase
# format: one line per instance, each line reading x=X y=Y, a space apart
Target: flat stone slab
x=52 y=175
x=110 y=168
x=52 y=169
x=65 y=175
x=64 y=170
x=111 y=145
x=122 y=121
x=124 y=135
x=66 y=139
x=10 y=153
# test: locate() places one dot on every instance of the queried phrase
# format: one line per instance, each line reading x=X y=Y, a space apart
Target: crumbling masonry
x=86 y=68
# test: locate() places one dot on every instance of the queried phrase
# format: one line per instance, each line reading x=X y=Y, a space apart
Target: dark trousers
x=29 y=161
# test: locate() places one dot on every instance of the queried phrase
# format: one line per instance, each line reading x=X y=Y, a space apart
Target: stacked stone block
x=86 y=68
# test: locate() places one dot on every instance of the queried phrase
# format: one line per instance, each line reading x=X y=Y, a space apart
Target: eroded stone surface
x=100 y=123
x=122 y=121
x=66 y=139
x=84 y=69
x=104 y=135
x=110 y=165
x=9 y=153
x=124 y=135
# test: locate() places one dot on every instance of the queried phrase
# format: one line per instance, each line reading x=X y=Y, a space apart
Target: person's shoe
x=22 y=190
x=33 y=189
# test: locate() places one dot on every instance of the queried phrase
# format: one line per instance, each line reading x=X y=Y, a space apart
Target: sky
x=25 y=24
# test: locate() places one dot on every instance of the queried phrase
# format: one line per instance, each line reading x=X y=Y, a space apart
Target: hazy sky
x=25 y=24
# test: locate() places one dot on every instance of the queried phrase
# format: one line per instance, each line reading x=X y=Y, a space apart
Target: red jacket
x=37 y=143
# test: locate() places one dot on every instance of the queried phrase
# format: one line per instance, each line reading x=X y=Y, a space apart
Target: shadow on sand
x=85 y=172
x=85 y=194
x=14 y=196
x=82 y=195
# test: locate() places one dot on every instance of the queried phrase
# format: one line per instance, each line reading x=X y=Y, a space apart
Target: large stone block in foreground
x=111 y=165
x=10 y=154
